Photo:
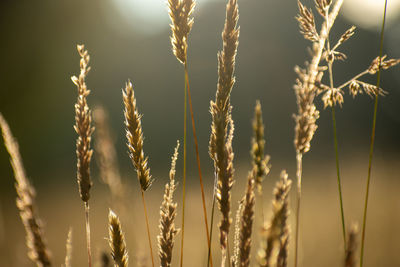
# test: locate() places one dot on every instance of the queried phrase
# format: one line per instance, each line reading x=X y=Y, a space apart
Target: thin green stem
x=148 y=228
x=371 y=150
x=338 y=177
x=88 y=246
x=336 y=147
x=184 y=173
x=198 y=162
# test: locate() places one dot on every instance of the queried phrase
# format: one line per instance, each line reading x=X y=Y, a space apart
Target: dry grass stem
x=83 y=127
x=35 y=241
x=260 y=160
x=350 y=259
x=276 y=233
x=117 y=241
x=220 y=147
x=167 y=228
x=68 y=246
x=246 y=221
x=106 y=154
x=180 y=12
x=134 y=135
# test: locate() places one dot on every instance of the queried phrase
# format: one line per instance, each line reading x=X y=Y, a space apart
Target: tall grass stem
x=184 y=170
x=299 y=160
x=148 y=228
x=88 y=246
x=198 y=163
x=338 y=177
x=371 y=150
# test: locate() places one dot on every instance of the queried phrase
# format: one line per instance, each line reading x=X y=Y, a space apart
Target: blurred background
x=129 y=39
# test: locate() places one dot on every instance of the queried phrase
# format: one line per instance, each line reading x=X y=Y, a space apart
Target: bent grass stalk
x=371 y=150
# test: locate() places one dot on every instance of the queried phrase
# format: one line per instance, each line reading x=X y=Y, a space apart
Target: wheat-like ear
x=180 y=12
x=134 y=135
x=117 y=241
x=83 y=126
x=35 y=241
x=220 y=146
x=260 y=160
x=246 y=221
x=276 y=232
x=167 y=228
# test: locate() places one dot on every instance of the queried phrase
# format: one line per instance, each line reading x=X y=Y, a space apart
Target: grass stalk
x=299 y=160
x=198 y=163
x=371 y=150
x=330 y=63
x=211 y=226
x=88 y=246
x=148 y=228
x=184 y=170
x=338 y=177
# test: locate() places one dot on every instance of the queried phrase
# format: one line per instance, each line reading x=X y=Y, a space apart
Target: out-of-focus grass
x=320 y=240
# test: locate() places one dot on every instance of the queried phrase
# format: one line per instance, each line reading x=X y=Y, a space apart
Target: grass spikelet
x=246 y=221
x=306 y=91
x=83 y=126
x=117 y=241
x=167 y=217
x=68 y=249
x=37 y=248
x=258 y=142
x=276 y=232
x=220 y=147
x=134 y=135
x=84 y=129
x=350 y=259
x=180 y=12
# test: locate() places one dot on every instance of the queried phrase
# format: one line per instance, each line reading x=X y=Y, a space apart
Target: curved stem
x=148 y=228
x=371 y=150
x=88 y=234
x=299 y=160
x=198 y=163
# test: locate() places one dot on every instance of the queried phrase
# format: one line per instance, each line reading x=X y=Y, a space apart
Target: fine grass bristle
x=166 y=238
x=180 y=11
x=275 y=234
x=37 y=248
x=117 y=241
x=220 y=146
x=134 y=135
x=83 y=127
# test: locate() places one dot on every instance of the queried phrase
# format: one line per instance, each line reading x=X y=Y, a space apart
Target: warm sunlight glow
x=368 y=13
